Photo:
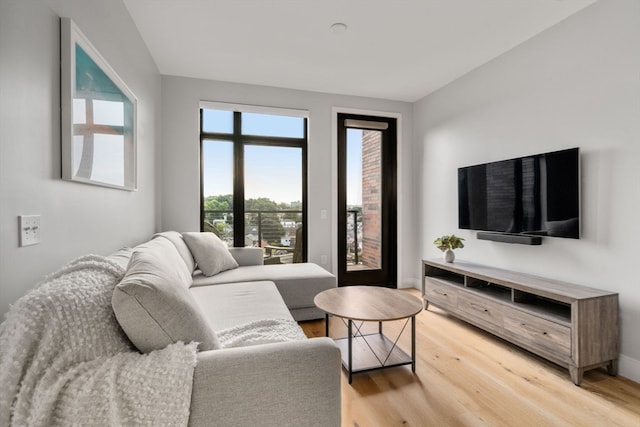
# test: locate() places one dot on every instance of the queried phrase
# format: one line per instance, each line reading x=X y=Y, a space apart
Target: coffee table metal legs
x=350 y=338
x=347 y=351
x=413 y=344
x=326 y=324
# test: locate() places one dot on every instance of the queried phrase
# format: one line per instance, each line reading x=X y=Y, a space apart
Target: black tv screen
x=536 y=195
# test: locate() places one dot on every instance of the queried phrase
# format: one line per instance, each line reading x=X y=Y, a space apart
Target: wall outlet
x=29 y=230
x=323 y=259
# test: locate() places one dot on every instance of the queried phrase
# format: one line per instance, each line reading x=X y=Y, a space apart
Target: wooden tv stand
x=571 y=325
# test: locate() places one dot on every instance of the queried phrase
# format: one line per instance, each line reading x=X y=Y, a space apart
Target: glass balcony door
x=366 y=200
x=364 y=203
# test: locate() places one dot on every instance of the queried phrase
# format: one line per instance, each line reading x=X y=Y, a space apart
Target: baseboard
x=409 y=283
x=629 y=368
x=509 y=238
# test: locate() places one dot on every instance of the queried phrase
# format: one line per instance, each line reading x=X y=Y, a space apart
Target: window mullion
x=202 y=214
x=238 y=181
x=305 y=231
x=274 y=141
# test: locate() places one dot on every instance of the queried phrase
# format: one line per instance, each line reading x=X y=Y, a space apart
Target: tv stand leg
x=576 y=374
x=612 y=367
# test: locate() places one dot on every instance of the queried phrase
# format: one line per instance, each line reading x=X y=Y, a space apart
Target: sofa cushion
x=235 y=304
x=211 y=254
x=181 y=246
x=298 y=283
x=152 y=302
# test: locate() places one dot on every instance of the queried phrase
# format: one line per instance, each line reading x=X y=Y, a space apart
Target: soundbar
x=523 y=239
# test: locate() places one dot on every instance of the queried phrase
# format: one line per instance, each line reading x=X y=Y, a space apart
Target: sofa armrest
x=293 y=383
x=248 y=255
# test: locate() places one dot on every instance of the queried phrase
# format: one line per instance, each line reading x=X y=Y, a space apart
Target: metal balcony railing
x=266 y=230
x=261 y=227
x=353 y=251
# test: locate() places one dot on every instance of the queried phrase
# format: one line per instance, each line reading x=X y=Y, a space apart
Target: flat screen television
x=532 y=195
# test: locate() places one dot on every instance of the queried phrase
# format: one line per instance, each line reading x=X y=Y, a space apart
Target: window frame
x=240 y=141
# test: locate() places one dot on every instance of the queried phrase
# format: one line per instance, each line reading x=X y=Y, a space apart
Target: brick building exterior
x=371 y=198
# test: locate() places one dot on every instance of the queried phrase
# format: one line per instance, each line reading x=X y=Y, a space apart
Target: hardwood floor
x=466 y=377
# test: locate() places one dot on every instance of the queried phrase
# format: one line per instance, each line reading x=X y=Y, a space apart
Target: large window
x=253 y=178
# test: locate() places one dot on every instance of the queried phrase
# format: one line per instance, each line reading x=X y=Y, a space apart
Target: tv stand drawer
x=441 y=294
x=539 y=332
x=480 y=309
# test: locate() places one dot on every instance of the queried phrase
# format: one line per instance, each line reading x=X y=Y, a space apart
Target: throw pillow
x=153 y=304
x=211 y=254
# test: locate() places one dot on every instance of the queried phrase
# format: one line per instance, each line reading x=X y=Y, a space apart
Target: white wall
x=76 y=218
x=577 y=84
x=180 y=166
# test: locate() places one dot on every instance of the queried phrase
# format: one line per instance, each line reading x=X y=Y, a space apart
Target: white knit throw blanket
x=64 y=360
x=260 y=332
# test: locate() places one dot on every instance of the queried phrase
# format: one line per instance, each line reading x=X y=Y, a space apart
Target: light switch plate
x=29 y=230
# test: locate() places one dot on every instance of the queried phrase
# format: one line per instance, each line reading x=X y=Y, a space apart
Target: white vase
x=448 y=255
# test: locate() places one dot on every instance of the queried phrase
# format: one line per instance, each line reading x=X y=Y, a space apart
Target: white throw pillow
x=211 y=254
x=153 y=304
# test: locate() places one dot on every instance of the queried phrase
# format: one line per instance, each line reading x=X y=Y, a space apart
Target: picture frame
x=98 y=116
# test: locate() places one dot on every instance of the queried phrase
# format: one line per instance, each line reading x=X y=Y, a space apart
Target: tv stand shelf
x=571 y=325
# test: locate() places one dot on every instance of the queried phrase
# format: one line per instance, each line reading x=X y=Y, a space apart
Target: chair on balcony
x=211 y=228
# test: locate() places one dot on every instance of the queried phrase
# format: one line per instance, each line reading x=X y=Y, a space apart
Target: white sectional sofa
x=235 y=386
x=253 y=365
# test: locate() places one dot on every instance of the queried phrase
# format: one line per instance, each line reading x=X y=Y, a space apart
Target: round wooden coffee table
x=366 y=352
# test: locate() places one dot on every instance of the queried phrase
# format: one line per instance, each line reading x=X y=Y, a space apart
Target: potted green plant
x=447 y=244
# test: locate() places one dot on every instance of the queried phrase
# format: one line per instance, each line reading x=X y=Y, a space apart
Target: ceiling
x=392 y=49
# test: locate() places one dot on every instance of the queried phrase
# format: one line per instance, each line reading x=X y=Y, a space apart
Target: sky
x=354 y=167
x=271 y=172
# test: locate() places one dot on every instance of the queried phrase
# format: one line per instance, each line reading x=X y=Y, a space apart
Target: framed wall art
x=98 y=116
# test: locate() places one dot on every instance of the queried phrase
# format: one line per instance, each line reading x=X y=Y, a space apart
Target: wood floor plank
x=466 y=377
